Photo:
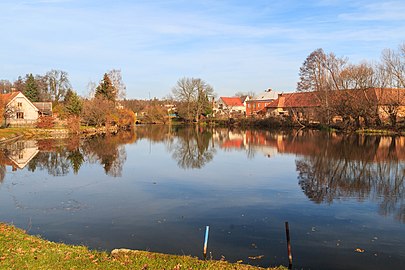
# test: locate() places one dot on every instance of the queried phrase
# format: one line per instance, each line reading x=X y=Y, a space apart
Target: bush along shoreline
x=286 y=123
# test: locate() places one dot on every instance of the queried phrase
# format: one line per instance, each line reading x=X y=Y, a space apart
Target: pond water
x=157 y=188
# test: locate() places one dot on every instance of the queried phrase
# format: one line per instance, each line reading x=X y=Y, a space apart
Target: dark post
x=287 y=232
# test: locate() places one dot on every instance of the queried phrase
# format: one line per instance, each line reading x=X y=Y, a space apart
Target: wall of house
x=253 y=106
x=223 y=109
x=18 y=108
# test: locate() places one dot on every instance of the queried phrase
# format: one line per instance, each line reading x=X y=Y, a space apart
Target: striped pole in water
x=207 y=228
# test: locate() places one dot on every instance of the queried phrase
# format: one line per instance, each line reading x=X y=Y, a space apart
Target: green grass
x=19 y=250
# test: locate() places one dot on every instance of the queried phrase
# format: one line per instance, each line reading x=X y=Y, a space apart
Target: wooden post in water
x=287 y=232
x=207 y=228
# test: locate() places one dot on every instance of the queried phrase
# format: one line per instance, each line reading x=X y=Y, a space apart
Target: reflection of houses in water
x=263 y=142
x=246 y=140
x=228 y=139
x=20 y=153
x=375 y=148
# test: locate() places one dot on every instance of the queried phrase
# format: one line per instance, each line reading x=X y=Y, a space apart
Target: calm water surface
x=158 y=187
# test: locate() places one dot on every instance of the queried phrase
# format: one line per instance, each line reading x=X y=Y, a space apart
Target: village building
x=259 y=102
x=230 y=106
x=244 y=100
x=44 y=108
x=308 y=106
x=20 y=111
x=302 y=105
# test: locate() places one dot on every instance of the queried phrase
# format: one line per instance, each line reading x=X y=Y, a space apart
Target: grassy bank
x=11 y=133
x=7 y=134
x=19 y=250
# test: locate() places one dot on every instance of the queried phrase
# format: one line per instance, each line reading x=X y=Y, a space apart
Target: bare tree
x=58 y=84
x=96 y=111
x=312 y=72
x=5 y=86
x=116 y=80
x=250 y=94
x=360 y=76
x=334 y=66
x=391 y=76
x=91 y=89
x=394 y=64
x=194 y=95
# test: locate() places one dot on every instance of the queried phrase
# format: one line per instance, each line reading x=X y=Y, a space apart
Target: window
x=20 y=115
x=20 y=145
x=19 y=104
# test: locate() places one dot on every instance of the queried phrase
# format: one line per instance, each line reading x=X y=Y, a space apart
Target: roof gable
x=296 y=99
x=232 y=101
x=10 y=97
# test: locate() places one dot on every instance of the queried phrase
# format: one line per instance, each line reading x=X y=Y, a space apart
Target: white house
x=18 y=109
x=230 y=105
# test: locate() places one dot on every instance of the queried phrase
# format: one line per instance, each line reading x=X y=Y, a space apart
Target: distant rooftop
x=266 y=95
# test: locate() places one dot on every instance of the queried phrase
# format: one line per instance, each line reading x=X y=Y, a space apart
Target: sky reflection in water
x=158 y=187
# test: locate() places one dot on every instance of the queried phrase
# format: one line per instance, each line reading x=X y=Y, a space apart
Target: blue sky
x=233 y=45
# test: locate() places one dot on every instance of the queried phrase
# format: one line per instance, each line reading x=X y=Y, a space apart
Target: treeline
x=343 y=88
x=100 y=109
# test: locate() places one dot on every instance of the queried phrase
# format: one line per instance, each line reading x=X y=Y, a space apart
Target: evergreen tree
x=68 y=95
x=76 y=160
x=106 y=89
x=73 y=103
x=31 y=90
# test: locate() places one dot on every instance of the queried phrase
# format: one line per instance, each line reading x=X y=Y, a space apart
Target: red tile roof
x=381 y=96
x=297 y=99
x=9 y=96
x=232 y=101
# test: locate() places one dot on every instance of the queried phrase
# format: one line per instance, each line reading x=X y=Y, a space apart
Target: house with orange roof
x=19 y=111
x=302 y=105
x=307 y=106
x=230 y=106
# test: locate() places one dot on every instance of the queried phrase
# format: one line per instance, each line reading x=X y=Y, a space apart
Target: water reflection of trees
x=192 y=148
x=356 y=166
x=54 y=156
x=59 y=156
x=329 y=166
x=2 y=166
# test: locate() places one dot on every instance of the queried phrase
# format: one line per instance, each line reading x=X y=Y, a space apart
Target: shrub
x=46 y=122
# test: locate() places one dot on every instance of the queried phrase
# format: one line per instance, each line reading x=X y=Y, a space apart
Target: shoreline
x=12 y=134
x=15 y=133
x=20 y=250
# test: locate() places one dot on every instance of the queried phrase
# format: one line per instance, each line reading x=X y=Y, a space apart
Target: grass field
x=19 y=250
